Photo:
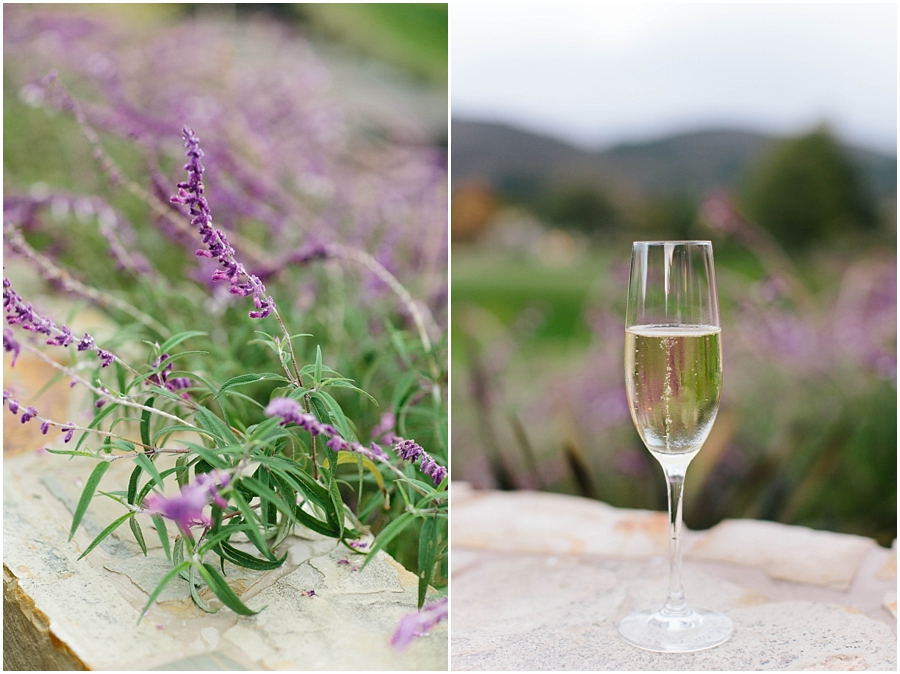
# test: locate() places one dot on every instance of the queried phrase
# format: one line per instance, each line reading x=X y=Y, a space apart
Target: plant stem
x=125 y=402
x=153 y=450
x=290 y=344
x=373 y=265
x=49 y=271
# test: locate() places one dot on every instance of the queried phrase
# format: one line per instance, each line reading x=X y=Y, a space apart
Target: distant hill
x=514 y=161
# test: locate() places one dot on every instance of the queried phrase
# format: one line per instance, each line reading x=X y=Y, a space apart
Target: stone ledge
x=798 y=554
x=83 y=614
x=547 y=590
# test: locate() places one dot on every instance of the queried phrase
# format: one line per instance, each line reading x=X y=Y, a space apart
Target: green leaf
x=223 y=591
x=388 y=534
x=311 y=368
x=159 y=368
x=147 y=487
x=337 y=503
x=138 y=534
x=215 y=425
x=163 y=534
x=208 y=455
x=253 y=532
x=124 y=445
x=317 y=377
x=404 y=389
x=329 y=528
x=177 y=339
x=105 y=411
x=162 y=584
x=106 y=532
x=218 y=534
x=429 y=539
x=182 y=471
x=195 y=596
x=266 y=495
x=340 y=383
x=248 y=561
x=179 y=427
x=70 y=452
x=301 y=481
x=165 y=393
x=243 y=379
x=133 y=483
x=145 y=423
x=267 y=431
x=144 y=462
x=335 y=415
x=89 y=488
x=399 y=344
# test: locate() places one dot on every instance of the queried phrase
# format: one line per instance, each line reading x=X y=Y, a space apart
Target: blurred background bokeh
x=769 y=129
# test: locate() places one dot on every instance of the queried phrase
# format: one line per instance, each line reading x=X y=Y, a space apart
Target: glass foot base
x=693 y=630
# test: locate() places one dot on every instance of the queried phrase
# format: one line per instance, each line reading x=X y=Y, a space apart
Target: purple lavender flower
x=385 y=424
x=10 y=344
x=22 y=210
x=187 y=508
x=286 y=408
x=292 y=412
x=190 y=193
x=29 y=414
x=378 y=451
x=408 y=450
x=336 y=443
x=416 y=624
x=162 y=380
x=411 y=451
x=19 y=312
x=69 y=430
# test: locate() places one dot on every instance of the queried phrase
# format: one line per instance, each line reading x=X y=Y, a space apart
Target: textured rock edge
x=28 y=641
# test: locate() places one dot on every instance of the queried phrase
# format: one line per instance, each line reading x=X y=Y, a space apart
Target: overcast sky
x=598 y=74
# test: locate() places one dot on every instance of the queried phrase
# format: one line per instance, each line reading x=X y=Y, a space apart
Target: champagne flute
x=673 y=377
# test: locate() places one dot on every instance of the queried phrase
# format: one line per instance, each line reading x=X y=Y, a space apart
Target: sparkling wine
x=673 y=376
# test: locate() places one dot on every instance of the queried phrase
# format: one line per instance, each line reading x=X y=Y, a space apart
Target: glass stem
x=675 y=602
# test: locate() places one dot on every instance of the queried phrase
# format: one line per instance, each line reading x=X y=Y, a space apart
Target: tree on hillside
x=805 y=190
x=579 y=206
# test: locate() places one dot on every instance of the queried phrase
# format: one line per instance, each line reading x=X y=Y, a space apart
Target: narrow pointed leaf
x=162 y=584
x=223 y=591
x=138 y=534
x=89 y=488
x=163 y=534
x=106 y=532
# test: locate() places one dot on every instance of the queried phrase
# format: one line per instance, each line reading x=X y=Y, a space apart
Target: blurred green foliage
x=805 y=190
x=411 y=36
x=579 y=206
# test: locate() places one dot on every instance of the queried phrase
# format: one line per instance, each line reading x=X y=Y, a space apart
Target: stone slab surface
x=84 y=614
x=544 y=603
x=792 y=553
x=523 y=521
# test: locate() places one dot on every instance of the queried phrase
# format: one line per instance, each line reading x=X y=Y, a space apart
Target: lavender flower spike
x=408 y=450
x=292 y=413
x=10 y=344
x=190 y=193
x=19 y=312
x=416 y=624
x=187 y=509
